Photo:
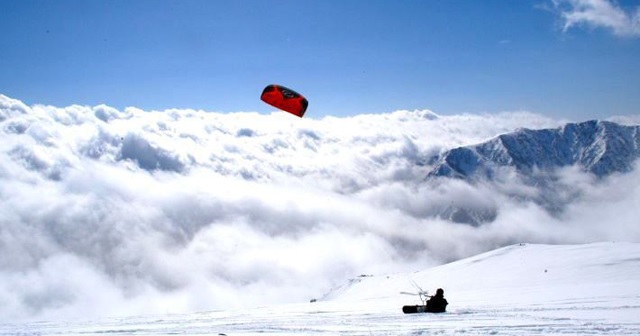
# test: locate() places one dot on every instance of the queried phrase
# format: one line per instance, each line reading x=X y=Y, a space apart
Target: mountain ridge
x=599 y=147
x=537 y=158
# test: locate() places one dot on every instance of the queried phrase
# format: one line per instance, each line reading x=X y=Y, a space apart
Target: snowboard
x=414 y=309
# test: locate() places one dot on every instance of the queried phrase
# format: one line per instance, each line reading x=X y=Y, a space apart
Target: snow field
x=522 y=289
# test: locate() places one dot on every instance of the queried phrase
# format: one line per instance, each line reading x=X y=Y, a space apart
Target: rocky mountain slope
x=548 y=162
x=599 y=147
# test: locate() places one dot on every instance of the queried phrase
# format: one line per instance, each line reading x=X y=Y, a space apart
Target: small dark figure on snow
x=437 y=303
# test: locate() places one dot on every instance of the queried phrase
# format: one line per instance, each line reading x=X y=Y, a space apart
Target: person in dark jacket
x=437 y=303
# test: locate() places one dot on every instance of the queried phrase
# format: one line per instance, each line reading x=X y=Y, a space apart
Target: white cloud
x=599 y=14
x=108 y=212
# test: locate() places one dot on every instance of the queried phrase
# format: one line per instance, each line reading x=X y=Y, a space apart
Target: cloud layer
x=108 y=212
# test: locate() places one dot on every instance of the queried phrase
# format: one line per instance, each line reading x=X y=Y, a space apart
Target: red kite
x=285 y=99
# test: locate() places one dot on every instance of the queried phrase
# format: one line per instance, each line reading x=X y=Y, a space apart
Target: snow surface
x=523 y=289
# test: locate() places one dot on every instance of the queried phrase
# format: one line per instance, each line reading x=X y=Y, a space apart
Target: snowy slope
x=522 y=273
x=522 y=289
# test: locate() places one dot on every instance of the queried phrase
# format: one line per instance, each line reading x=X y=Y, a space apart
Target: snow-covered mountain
x=522 y=289
x=599 y=147
x=537 y=159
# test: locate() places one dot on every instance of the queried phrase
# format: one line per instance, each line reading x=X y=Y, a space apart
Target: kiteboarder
x=437 y=303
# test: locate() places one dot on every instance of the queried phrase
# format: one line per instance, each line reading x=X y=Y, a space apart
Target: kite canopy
x=285 y=99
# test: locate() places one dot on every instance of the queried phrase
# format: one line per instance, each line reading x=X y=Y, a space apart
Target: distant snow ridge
x=535 y=158
x=600 y=147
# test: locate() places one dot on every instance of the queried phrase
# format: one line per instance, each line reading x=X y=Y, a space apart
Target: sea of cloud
x=108 y=212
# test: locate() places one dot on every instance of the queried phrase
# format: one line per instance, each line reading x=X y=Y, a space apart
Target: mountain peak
x=598 y=147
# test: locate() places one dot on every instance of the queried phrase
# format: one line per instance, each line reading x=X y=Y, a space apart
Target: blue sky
x=575 y=59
